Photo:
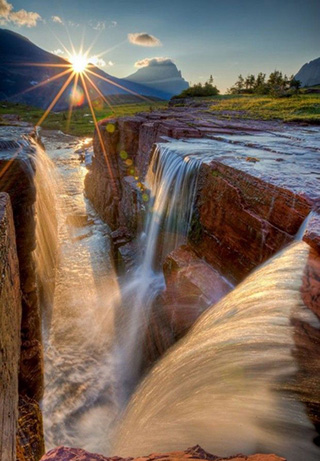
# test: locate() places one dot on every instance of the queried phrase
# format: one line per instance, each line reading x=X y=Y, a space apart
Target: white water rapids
x=228 y=385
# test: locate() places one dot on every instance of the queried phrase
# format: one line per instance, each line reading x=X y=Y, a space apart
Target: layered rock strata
x=254 y=192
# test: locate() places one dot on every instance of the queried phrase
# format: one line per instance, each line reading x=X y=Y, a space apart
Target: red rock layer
x=76 y=454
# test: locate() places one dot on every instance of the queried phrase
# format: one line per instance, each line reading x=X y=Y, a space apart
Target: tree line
x=276 y=84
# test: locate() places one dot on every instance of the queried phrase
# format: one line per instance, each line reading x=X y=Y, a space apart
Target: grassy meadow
x=81 y=123
x=297 y=108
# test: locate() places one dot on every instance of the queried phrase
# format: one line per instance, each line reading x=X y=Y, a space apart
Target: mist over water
x=230 y=384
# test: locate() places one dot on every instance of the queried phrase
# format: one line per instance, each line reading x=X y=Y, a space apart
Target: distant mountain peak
x=160 y=73
x=309 y=74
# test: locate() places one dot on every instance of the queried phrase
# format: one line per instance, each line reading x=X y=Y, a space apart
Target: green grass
x=300 y=108
x=81 y=123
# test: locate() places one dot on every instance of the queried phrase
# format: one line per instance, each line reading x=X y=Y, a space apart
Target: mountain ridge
x=309 y=73
x=21 y=69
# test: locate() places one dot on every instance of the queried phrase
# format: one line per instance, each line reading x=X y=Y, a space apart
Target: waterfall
x=171 y=179
x=231 y=384
x=46 y=227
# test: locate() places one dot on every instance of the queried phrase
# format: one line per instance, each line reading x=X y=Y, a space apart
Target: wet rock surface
x=260 y=183
x=30 y=443
x=17 y=179
x=64 y=453
x=192 y=286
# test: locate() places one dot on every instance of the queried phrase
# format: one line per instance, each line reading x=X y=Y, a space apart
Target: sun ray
x=56 y=98
x=104 y=98
x=120 y=86
x=71 y=100
x=49 y=80
x=98 y=130
x=36 y=64
x=110 y=49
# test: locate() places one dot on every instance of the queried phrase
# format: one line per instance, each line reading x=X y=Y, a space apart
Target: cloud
x=102 y=25
x=58 y=52
x=96 y=61
x=19 y=18
x=56 y=19
x=73 y=24
x=24 y=18
x=99 y=62
x=143 y=39
x=153 y=62
x=5 y=9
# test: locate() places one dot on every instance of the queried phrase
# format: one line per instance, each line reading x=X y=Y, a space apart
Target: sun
x=79 y=63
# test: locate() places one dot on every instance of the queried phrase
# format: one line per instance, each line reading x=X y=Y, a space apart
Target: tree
x=197 y=90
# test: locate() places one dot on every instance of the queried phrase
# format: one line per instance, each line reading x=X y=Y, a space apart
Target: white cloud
x=152 y=62
x=56 y=19
x=143 y=39
x=110 y=63
x=19 y=18
x=96 y=61
x=58 y=52
x=114 y=23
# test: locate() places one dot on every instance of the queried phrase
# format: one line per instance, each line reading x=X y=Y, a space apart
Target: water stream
x=229 y=385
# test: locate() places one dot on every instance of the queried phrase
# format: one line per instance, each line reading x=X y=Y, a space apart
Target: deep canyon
x=169 y=296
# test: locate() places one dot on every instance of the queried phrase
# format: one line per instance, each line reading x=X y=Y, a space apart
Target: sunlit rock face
x=252 y=197
x=64 y=453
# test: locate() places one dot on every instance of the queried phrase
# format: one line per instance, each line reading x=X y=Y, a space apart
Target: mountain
x=309 y=74
x=23 y=66
x=161 y=74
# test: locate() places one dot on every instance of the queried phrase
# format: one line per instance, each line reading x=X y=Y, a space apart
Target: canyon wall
x=251 y=197
x=17 y=179
x=10 y=319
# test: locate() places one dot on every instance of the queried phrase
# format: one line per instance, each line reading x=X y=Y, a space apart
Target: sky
x=223 y=38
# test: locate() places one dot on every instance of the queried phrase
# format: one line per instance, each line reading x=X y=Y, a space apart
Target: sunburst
x=76 y=69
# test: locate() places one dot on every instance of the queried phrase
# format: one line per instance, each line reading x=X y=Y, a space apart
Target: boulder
x=192 y=285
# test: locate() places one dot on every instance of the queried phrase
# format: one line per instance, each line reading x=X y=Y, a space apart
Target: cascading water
x=230 y=385
x=46 y=229
x=79 y=328
x=172 y=179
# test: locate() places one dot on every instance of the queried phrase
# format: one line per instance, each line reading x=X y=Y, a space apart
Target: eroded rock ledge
x=254 y=194
x=76 y=454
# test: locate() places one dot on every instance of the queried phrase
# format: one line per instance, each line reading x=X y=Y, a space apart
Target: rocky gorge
x=257 y=191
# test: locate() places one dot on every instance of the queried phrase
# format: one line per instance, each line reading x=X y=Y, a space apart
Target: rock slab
x=77 y=454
